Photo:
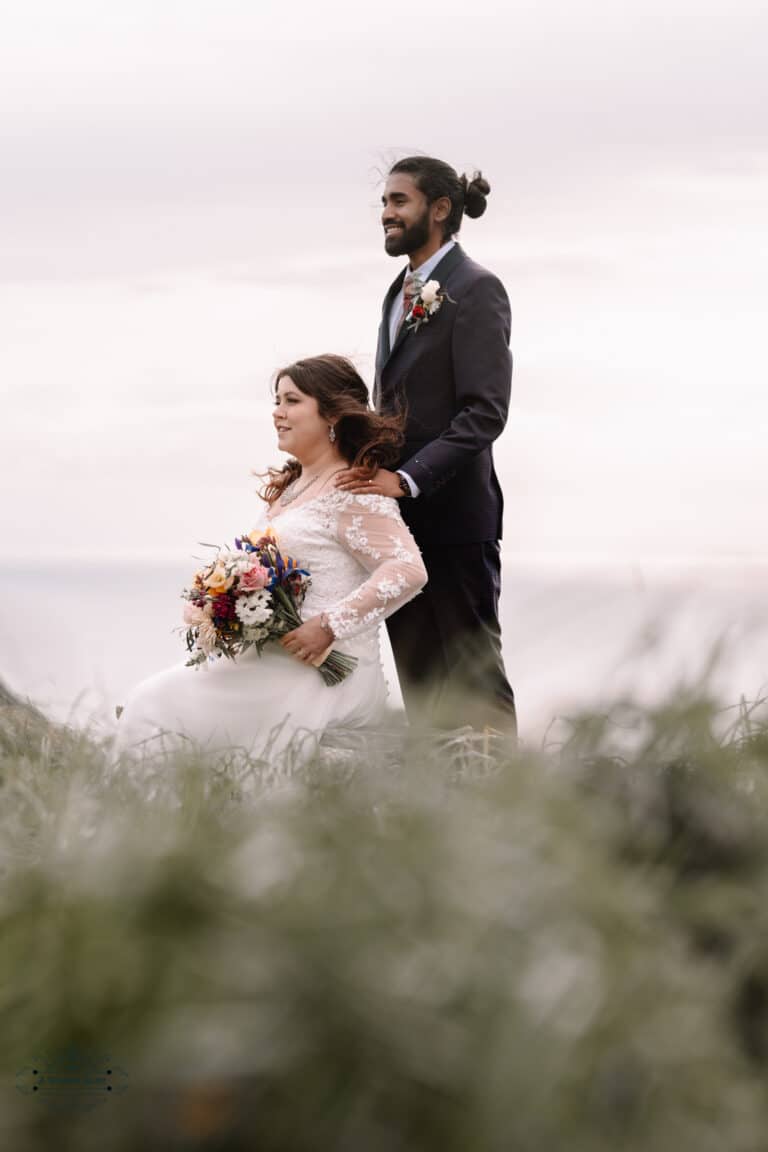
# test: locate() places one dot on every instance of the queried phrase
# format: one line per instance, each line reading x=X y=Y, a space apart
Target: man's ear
x=441 y=209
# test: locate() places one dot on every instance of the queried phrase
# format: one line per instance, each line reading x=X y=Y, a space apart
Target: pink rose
x=254 y=579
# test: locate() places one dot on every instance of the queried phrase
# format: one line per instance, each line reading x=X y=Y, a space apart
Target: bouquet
x=247 y=596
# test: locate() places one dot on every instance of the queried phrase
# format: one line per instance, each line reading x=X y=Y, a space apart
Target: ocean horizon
x=76 y=632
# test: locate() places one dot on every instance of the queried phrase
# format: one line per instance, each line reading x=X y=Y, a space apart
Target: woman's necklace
x=291 y=493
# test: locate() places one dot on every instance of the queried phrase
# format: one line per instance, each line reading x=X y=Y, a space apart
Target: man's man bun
x=476 y=192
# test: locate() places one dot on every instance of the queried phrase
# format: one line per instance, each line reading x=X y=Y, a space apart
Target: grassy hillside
x=411 y=945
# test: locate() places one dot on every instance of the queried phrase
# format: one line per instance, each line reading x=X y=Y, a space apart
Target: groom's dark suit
x=452 y=376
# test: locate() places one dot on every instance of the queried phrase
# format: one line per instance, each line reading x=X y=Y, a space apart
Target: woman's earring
x=331 y=433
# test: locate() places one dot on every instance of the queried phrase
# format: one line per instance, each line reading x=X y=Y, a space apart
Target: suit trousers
x=447 y=642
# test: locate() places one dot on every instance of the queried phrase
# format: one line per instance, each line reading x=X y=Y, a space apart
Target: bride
x=364 y=565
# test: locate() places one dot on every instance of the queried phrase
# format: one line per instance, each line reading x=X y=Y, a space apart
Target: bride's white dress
x=364 y=565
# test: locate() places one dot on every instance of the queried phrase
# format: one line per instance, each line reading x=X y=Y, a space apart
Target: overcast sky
x=189 y=198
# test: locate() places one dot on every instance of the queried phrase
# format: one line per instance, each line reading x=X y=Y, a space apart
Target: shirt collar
x=424 y=270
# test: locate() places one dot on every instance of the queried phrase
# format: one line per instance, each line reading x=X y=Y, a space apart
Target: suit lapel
x=384 y=349
x=401 y=335
x=451 y=260
x=440 y=272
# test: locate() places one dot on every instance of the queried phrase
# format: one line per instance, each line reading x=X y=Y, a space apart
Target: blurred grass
x=413 y=943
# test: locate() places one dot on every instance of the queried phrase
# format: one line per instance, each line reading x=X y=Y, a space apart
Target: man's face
x=405 y=217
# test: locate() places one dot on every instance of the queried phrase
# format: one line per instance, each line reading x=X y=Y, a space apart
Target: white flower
x=254 y=609
x=255 y=633
x=429 y=292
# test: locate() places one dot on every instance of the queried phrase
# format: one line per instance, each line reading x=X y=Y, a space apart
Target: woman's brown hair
x=366 y=439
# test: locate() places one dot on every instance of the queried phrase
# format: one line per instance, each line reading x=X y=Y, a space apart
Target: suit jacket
x=452 y=377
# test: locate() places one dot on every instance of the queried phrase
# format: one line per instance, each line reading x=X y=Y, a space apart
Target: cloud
x=189 y=197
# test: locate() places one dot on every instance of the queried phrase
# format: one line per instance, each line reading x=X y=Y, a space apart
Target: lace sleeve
x=372 y=529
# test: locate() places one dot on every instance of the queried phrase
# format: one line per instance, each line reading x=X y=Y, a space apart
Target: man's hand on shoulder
x=382 y=483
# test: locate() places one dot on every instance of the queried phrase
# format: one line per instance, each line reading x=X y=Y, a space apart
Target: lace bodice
x=363 y=561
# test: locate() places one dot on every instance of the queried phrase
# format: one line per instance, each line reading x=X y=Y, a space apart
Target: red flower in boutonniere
x=425 y=303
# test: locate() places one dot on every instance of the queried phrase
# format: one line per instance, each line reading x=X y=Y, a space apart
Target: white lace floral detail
x=358 y=541
x=364 y=561
x=372 y=528
x=400 y=552
x=332 y=504
x=345 y=615
x=387 y=589
x=345 y=618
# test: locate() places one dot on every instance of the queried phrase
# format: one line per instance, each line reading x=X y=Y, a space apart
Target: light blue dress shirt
x=424 y=271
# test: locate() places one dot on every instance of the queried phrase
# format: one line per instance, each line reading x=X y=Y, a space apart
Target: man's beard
x=410 y=239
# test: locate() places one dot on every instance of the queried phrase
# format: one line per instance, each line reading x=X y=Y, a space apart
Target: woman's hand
x=309 y=641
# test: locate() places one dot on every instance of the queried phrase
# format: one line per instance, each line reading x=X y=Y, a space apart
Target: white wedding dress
x=364 y=565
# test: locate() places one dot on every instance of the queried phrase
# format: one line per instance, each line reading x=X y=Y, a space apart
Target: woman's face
x=301 y=430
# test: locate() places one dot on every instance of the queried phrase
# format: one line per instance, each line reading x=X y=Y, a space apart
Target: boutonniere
x=426 y=302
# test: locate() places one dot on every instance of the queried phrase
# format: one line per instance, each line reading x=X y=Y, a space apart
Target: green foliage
x=410 y=944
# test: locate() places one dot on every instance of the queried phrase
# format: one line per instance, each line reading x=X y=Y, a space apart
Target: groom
x=443 y=358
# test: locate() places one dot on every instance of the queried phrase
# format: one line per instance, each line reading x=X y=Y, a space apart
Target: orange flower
x=218 y=581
